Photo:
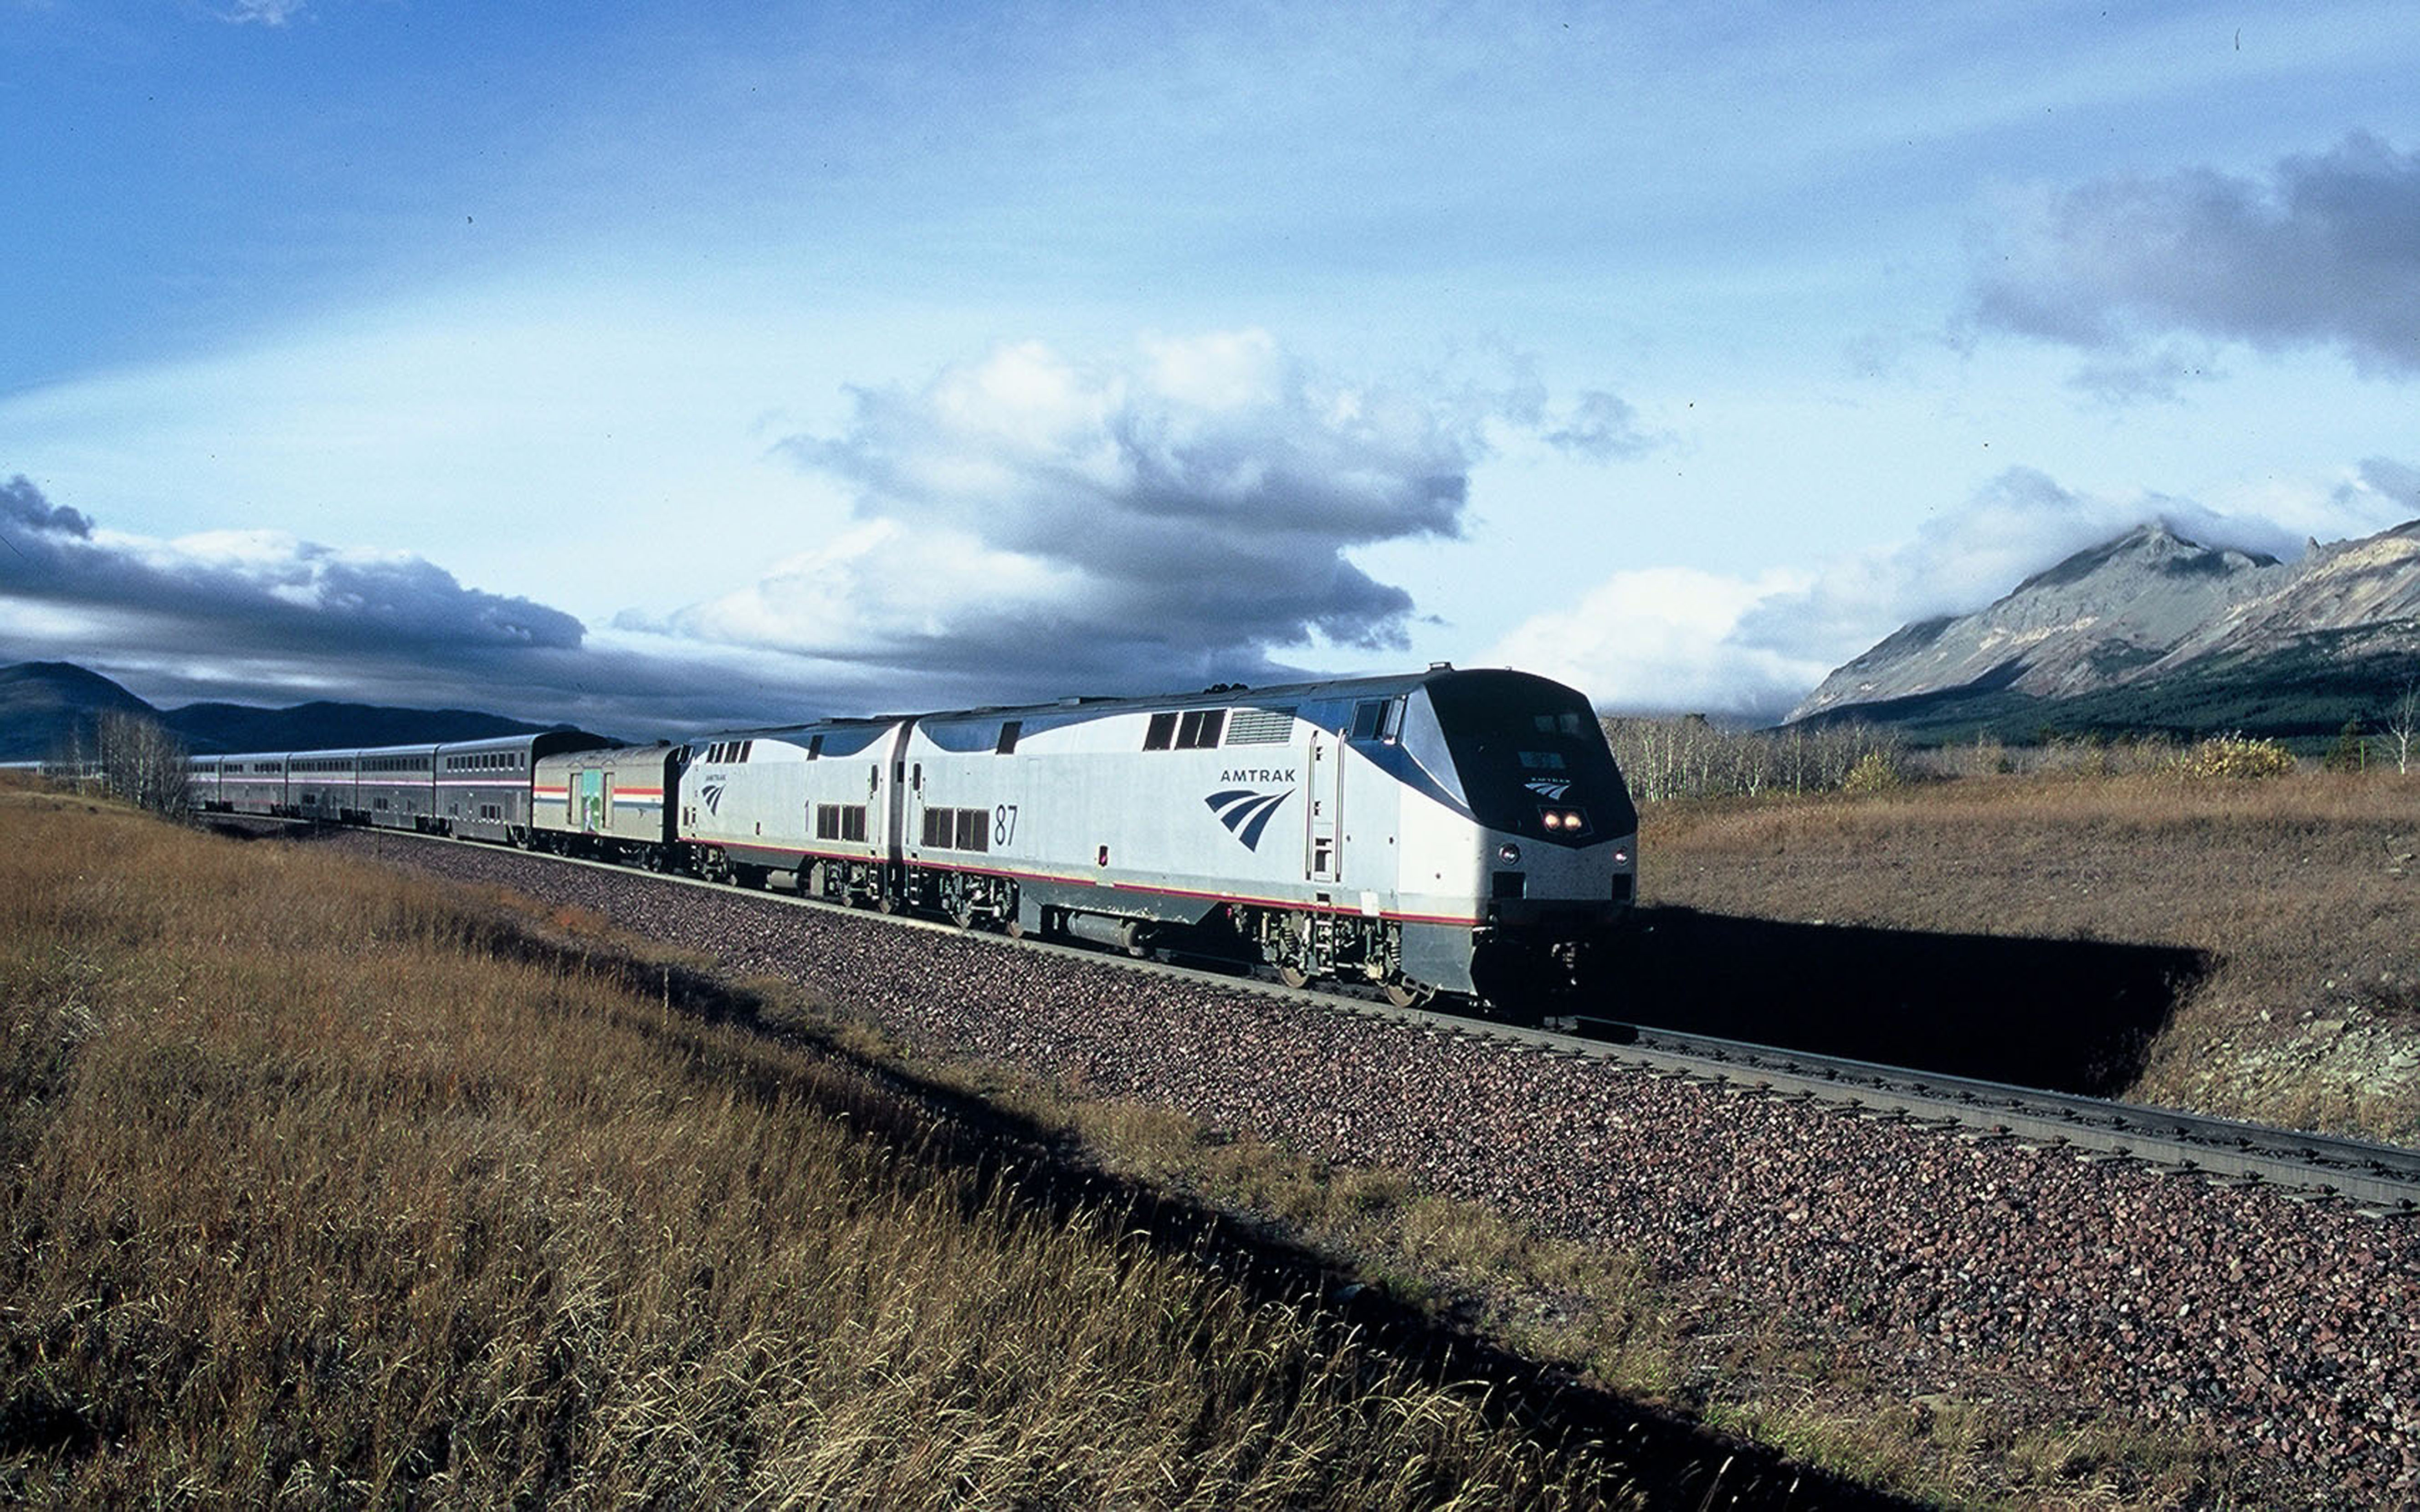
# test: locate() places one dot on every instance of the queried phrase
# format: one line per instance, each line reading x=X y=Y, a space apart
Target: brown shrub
x=2234 y=757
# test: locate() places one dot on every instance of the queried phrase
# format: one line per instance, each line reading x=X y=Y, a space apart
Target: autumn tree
x=129 y=757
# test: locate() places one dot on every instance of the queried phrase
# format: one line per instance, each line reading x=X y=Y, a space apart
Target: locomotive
x=1460 y=832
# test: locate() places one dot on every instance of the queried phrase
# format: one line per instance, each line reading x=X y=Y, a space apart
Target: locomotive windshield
x=1532 y=757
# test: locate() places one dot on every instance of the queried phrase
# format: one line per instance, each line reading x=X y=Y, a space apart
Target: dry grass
x=326 y=1187
x=320 y=1188
x=2302 y=887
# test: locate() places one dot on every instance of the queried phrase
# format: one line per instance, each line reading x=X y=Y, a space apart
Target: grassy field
x=328 y=1188
x=2301 y=891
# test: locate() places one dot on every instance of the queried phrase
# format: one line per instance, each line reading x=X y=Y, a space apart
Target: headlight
x=1509 y=853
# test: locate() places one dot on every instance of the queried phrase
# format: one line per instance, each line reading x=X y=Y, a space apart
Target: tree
x=2403 y=724
x=2350 y=753
x=135 y=759
x=1693 y=758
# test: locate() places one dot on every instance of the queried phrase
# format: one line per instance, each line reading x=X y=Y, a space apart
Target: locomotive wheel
x=1293 y=976
x=1404 y=994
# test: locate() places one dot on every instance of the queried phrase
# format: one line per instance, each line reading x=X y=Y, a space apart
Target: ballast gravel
x=1939 y=1264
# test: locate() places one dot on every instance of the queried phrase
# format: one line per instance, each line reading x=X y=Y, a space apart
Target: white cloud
x=1028 y=521
x=263 y=12
x=1964 y=558
x=1055 y=524
x=1666 y=640
x=1672 y=638
x=1602 y=428
x=878 y=582
x=551 y=430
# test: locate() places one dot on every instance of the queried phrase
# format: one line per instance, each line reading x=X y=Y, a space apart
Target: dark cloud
x=22 y=506
x=260 y=618
x=1030 y=525
x=263 y=618
x=2396 y=482
x=1184 y=512
x=2324 y=252
x=248 y=593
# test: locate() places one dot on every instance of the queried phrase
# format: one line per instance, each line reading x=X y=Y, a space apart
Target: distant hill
x=2151 y=632
x=42 y=702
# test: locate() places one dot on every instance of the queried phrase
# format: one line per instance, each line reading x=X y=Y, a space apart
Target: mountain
x=2153 y=632
x=44 y=702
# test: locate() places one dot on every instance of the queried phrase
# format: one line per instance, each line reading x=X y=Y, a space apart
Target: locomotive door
x=1322 y=863
x=893 y=803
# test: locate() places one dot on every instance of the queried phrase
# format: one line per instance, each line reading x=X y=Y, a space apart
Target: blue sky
x=652 y=366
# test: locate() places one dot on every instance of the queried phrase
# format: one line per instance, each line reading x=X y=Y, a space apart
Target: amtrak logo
x=1245 y=814
x=712 y=794
x=1549 y=788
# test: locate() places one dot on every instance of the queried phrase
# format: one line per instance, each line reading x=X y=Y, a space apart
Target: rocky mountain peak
x=2138 y=608
x=2154 y=551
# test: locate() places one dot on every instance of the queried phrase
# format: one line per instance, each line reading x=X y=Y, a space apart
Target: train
x=1462 y=833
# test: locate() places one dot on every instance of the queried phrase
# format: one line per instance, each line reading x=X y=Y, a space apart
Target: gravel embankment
x=1939 y=1265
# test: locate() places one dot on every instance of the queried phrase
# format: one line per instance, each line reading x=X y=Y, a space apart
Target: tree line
x=1691 y=757
x=128 y=757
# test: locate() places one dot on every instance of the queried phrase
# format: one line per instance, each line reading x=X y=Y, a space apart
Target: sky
x=657 y=369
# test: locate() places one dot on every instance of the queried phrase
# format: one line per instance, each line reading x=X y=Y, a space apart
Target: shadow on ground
x=1656 y=1455
x=2066 y=1015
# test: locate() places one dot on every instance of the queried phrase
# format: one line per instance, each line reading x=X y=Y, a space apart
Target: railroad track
x=2380 y=1182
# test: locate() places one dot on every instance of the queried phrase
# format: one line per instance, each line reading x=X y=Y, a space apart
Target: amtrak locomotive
x=1464 y=832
